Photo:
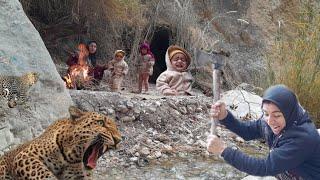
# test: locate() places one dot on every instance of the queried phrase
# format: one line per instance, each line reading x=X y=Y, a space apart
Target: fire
x=68 y=81
x=78 y=77
x=78 y=74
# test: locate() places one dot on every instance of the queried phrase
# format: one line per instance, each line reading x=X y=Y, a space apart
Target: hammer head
x=204 y=58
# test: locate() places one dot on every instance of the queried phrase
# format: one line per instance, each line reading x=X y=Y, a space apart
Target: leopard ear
x=75 y=112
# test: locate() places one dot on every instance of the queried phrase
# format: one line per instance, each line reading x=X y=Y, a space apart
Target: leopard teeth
x=6 y=92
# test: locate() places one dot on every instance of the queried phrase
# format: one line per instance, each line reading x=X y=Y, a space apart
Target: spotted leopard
x=68 y=149
x=15 y=88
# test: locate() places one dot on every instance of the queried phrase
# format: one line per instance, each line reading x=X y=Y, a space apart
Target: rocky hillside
x=158 y=129
x=22 y=51
x=244 y=28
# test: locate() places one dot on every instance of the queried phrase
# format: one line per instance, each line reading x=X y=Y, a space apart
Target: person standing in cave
x=176 y=80
x=289 y=132
x=145 y=66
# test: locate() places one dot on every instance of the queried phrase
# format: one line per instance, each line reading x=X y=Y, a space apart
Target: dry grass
x=118 y=24
x=296 y=59
x=112 y=23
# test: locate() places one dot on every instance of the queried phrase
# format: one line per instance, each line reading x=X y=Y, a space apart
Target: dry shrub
x=296 y=59
x=112 y=23
x=116 y=24
x=56 y=10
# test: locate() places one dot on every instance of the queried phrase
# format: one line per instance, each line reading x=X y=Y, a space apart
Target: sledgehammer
x=217 y=60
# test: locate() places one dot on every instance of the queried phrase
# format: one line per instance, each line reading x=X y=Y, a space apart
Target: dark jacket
x=98 y=72
x=92 y=60
x=295 y=150
x=72 y=60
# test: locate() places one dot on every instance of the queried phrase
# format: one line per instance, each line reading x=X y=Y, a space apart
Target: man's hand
x=215 y=145
x=219 y=111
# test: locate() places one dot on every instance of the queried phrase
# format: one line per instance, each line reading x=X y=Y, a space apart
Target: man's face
x=179 y=62
x=92 y=48
x=274 y=117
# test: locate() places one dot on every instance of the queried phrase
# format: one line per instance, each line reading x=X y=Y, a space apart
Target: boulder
x=259 y=178
x=243 y=104
x=22 y=50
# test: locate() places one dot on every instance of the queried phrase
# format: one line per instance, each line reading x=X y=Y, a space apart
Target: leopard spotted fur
x=66 y=150
x=15 y=88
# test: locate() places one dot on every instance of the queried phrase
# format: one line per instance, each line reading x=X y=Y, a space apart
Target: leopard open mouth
x=93 y=153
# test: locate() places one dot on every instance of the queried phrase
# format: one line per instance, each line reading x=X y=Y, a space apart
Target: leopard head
x=91 y=135
x=30 y=78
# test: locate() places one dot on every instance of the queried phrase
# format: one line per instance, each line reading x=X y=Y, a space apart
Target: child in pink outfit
x=145 y=66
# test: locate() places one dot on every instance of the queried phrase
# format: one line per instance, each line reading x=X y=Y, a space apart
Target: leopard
x=67 y=149
x=15 y=88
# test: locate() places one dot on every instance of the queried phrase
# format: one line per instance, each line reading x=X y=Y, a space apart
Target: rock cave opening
x=159 y=45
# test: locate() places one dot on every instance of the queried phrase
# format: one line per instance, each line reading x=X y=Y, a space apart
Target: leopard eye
x=100 y=122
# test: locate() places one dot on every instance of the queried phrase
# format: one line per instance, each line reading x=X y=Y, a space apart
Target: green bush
x=295 y=60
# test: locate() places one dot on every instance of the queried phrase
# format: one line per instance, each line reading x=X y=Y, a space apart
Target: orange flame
x=77 y=74
x=68 y=81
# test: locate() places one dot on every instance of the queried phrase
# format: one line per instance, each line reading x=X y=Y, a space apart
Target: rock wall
x=245 y=28
x=22 y=50
x=236 y=29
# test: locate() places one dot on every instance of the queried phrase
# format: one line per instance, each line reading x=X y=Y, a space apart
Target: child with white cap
x=176 y=80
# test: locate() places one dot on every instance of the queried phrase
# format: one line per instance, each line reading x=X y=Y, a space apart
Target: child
x=176 y=80
x=118 y=68
x=145 y=67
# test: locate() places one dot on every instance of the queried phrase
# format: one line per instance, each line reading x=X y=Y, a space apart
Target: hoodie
x=294 y=151
x=172 y=80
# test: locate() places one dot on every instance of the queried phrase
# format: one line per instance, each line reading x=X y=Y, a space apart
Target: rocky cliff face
x=22 y=50
x=154 y=127
x=245 y=28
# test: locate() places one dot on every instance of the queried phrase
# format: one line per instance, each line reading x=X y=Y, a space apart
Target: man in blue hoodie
x=292 y=137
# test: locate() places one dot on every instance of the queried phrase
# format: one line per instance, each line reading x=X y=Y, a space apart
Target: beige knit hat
x=172 y=50
x=119 y=52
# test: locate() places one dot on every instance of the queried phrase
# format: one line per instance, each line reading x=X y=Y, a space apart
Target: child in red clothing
x=145 y=66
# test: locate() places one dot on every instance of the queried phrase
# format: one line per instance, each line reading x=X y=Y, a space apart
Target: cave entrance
x=159 y=45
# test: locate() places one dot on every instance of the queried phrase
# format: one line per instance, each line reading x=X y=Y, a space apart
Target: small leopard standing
x=15 y=88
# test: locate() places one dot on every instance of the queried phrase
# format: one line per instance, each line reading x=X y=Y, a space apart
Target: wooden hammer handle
x=216 y=93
